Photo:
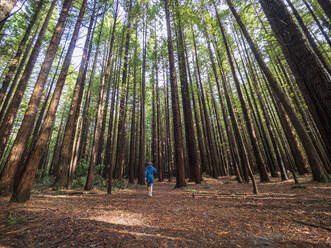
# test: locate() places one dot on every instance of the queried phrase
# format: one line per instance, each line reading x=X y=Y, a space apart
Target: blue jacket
x=149 y=174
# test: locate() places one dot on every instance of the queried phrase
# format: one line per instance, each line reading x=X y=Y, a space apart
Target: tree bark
x=141 y=159
x=259 y=160
x=121 y=139
x=131 y=165
x=325 y=35
x=70 y=130
x=98 y=134
x=31 y=112
x=9 y=117
x=194 y=163
x=97 y=129
x=178 y=138
x=314 y=161
x=326 y=6
x=308 y=36
x=13 y=85
x=14 y=61
x=314 y=81
x=158 y=123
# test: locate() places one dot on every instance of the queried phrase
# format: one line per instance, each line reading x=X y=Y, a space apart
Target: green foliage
x=82 y=169
x=79 y=182
x=99 y=181
x=119 y=184
x=99 y=168
x=16 y=219
x=44 y=180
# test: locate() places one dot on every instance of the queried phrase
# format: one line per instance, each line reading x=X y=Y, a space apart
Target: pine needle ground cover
x=217 y=213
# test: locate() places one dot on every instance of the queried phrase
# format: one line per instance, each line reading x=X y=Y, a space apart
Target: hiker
x=149 y=177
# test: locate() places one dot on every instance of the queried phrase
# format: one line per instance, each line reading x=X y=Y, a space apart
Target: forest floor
x=217 y=213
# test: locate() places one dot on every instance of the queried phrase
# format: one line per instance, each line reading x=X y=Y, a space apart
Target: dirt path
x=217 y=213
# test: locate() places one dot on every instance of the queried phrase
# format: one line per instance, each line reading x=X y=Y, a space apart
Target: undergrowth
x=16 y=219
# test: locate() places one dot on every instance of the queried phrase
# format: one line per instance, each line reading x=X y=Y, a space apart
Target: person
x=149 y=177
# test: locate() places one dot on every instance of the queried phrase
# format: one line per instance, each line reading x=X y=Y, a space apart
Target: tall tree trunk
x=314 y=161
x=108 y=77
x=70 y=130
x=308 y=35
x=75 y=153
x=259 y=160
x=178 y=138
x=14 y=61
x=9 y=117
x=141 y=159
x=133 y=141
x=85 y=120
x=120 y=151
x=136 y=147
x=243 y=157
x=25 y=129
x=194 y=163
x=98 y=134
x=97 y=130
x=209 y=142
x=158 y=123
x=168 y=132
x=325 y=35
x=257 y=116
x=220 y=166
x=13 y=85
x=313 y=80
x=203 y=158
x=154 y=137
x=222 y=104
x=111 y=131
x=267 y=120
x=57 y=147
x=326 y=6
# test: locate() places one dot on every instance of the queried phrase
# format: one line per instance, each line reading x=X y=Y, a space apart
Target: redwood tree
x=178 y=138
x=24 y=180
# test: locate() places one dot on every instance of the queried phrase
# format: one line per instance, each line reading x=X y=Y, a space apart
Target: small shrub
x=99 y=168
x=119 y=184
x=74 y=183
x=79 y=182
x=16 y=219
x=82 y=169
x=114 y=188
x=42 y=182
x=99 y=181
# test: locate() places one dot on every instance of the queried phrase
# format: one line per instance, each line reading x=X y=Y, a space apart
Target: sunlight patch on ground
x=157 y=235
x=321 y=187
x=120 y=218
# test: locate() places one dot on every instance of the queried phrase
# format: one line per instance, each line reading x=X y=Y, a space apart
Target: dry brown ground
x=217 y=213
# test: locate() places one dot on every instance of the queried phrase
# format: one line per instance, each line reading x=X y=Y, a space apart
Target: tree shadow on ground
x=53 y=229
x=171 y=218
